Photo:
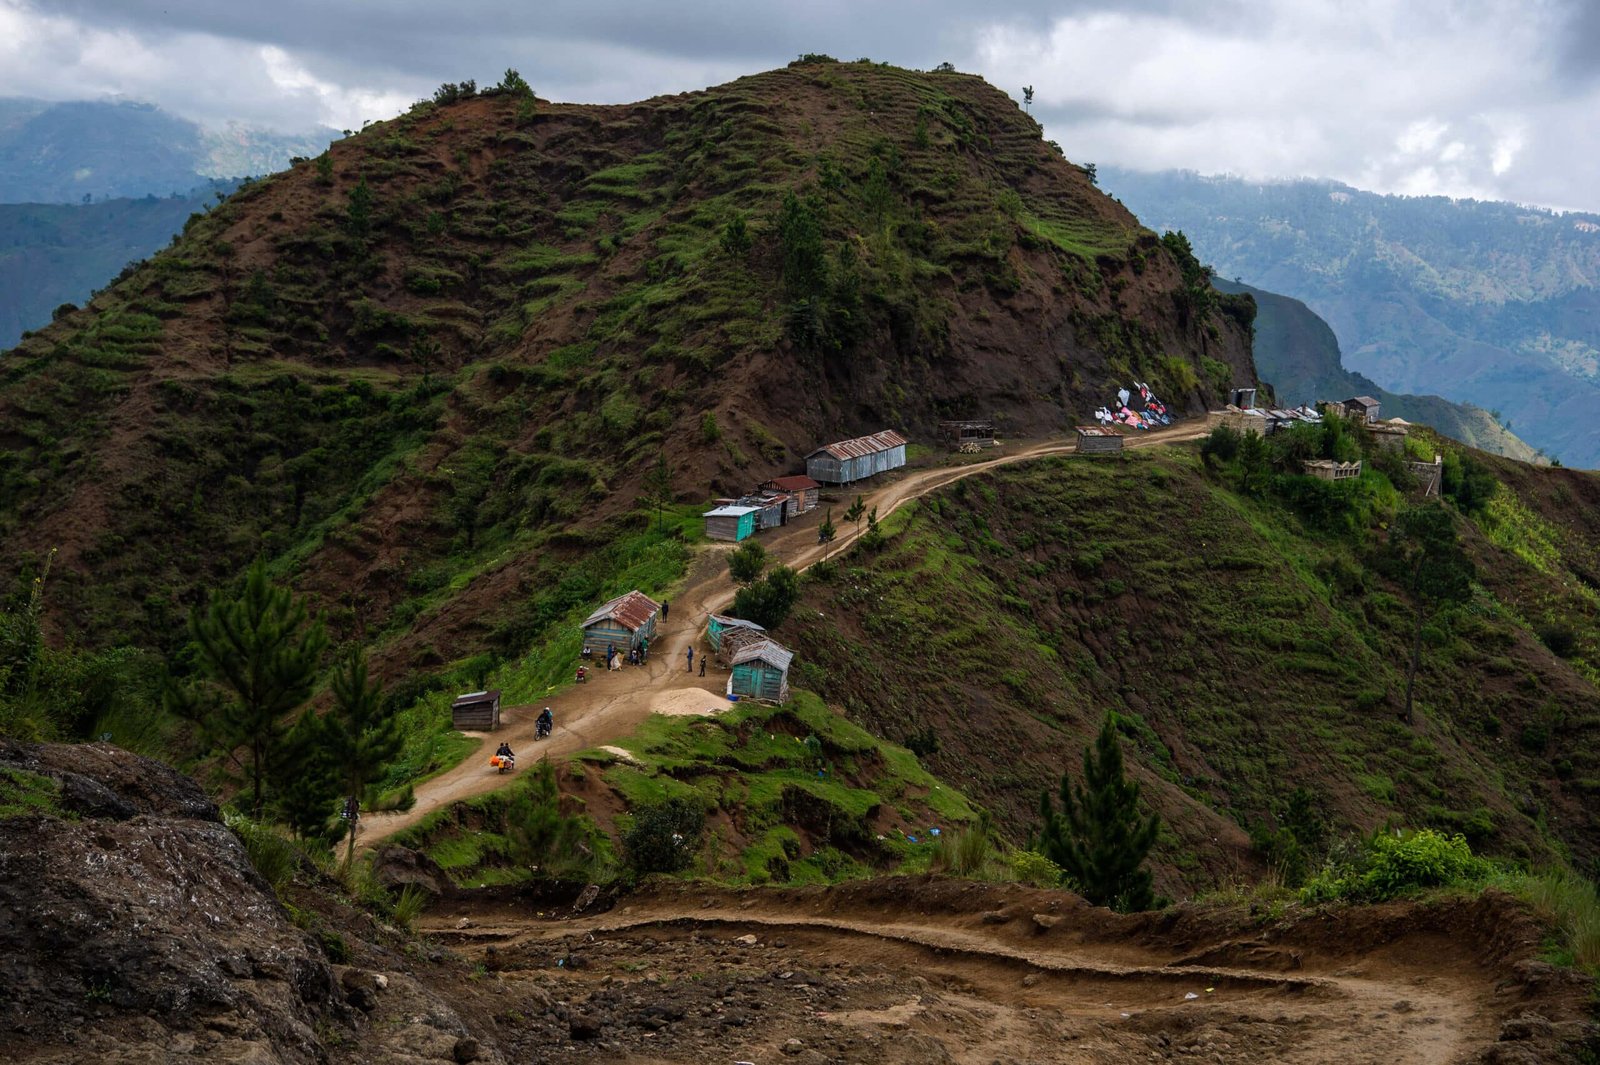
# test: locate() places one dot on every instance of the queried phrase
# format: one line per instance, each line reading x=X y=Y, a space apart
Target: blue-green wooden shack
x=719 y=624
x=761 y=671
x=627 y=621
x=731 y=523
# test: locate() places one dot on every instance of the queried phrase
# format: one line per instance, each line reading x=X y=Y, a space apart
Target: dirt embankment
x=919 y=970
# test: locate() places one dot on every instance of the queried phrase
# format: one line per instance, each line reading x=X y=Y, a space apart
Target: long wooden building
x=848 y=461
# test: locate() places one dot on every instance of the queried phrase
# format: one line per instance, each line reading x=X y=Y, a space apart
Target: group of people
x=636 y=655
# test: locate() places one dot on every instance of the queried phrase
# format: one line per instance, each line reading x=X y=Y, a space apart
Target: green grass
x=22 y=793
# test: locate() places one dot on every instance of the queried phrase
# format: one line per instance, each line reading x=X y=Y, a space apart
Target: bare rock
x=994 y=917
x=465 y=1051
x=747 y=941
x=398 y=868
x=1045 y=921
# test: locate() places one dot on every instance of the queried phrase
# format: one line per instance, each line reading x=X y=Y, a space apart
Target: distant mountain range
x=1490 y=304
x=1298 y=354
x=63 y=152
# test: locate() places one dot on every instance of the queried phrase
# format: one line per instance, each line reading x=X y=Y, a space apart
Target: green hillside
x=1251 y=642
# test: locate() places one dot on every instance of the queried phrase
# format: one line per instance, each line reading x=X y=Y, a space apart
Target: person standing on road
x=666 y=608
x=702 y=665
x=691 y=658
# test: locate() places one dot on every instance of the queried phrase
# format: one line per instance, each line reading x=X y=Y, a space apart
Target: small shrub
x=1031 y=867
x=272 y=855
x=965 y=852
x=1561 y=640
x=663 y=838
x=408 y=906
x=1389 y=866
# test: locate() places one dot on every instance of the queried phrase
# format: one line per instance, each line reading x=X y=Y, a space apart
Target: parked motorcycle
x=503 y=763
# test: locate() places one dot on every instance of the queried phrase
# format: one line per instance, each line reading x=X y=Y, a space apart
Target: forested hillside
x=1491 y=304
x=51 y=254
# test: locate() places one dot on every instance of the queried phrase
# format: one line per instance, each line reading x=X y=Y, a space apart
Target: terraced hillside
x=427 y=374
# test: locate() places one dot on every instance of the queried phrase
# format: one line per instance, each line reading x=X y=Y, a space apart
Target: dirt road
x=611 y=704
x=918 y=970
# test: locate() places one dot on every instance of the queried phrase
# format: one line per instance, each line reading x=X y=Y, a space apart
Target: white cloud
x=1477 y=97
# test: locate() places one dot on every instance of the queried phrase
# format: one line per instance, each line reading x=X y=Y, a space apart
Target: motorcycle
x=542 y=729
x=503 y=763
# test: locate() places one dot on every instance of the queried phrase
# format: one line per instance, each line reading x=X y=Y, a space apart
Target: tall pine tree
x=361 y=738
x=260 y=652
x=1098 y=836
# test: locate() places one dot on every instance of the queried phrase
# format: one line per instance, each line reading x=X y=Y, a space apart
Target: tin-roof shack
x=476 y=712
x=760 y=670
x=627 y=621
x=731 y=522
x=848 y=461
x=718 y=625
x=1098 y=440
x=1363 y=407
x=980 y=432
x=804 y=493
x=735 y=634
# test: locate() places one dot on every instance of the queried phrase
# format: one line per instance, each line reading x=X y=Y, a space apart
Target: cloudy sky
x=1487 y=98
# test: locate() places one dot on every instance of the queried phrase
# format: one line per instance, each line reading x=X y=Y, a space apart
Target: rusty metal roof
x=631 y=611
x=1095 y=430
x=797 y=483
x=765 y=650
x=862 y=445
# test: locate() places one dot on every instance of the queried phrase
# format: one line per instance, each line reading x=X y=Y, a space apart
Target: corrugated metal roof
x=797 y=483
x=862 y=445
x=1365 y=401
x=474 y=698
x=631 y=610
x=735 y=623
x=730 y=511
x=1094 y=430
x=765 y=650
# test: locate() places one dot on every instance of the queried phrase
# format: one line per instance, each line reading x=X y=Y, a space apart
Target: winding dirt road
x=610 y=705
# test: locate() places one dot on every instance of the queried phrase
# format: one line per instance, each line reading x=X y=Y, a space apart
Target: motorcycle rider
x=547 y=722
x=505 y=751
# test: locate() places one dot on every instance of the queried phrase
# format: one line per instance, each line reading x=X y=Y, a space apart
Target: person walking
x=691 y=658
x=702 y=665
x=666 y=608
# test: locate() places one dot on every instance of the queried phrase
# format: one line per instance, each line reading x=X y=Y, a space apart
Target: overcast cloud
x=1462 y=97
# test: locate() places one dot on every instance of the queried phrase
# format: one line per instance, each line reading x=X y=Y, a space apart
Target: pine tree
x=826 y=532
x=1098 y=836
x=658 y=488
x=361 y=738
x=306 y=782
x=260 y=653
x=1424 y=555
x=857 y=510
x=541 y=836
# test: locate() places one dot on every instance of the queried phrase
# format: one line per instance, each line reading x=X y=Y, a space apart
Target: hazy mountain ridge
x=63 y=152
x=1492 y=304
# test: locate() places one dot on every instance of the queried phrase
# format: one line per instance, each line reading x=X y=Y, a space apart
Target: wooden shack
x=720 y=624
x=476 y=712
x=1098 y=440
x=760 y=670
x=849 y=461
x=771 y=510
x=804 y=493
x=627 y=621
x=730 y=522
x=1362 y=408
x=1329 y=470
x=953 y=434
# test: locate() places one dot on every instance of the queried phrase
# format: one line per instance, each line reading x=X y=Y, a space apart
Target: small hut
x=771 y=510
x=803 y=492
x=848 y=461
x=627 y=621
x=1243 y=398
x=760 y=670
x=719 y=624
x=476 y=712
x=980 y=433
x=731 y=522
x=1329 y=470
x=1098 y=440
x=1362 y=408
